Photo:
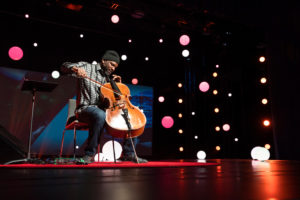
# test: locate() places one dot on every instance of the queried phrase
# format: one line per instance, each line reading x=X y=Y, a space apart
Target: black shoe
x=88 y=159
x=132 y=158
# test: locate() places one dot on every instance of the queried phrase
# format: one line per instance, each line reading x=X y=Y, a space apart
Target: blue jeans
x=95 y=118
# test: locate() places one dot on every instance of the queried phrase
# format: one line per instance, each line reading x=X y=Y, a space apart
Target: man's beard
x=106 y=71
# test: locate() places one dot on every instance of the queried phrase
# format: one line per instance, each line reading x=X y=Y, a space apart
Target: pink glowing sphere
x=204 y=86
x=167 y=121
x=161 y=99
x=115 y=19
x=15 y=53
x=226 y=127
x=184 y=40
x=134 y=81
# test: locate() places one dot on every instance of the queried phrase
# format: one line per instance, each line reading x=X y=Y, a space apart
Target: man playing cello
x=91 y=104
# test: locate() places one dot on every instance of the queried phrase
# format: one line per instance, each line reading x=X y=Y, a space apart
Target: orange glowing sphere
x=266 y=122
x=267 y=146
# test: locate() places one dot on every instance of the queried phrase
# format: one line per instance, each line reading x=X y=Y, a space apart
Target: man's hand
x=116 y=78
x=79 y=72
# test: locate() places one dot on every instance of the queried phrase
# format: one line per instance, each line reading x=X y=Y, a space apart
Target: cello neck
x=114 y=87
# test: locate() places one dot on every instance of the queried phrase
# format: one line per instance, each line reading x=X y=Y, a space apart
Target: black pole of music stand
x=33 y=86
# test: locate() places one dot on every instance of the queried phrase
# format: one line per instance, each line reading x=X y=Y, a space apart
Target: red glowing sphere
x=134 y=81
x=167 y=122
x=15 y=53
x=184 y=40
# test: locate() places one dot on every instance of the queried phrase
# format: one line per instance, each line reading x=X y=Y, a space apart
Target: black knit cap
x=111 y=55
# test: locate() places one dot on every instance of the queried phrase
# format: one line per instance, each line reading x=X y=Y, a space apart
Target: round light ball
x=134 y=81
x=185 y=53
x=55 y=74
x=204 y=86
x=167 y=122
x=115 y=19
x=108 y=152
x=201 y=155
x=184 y=40
x=226 y=127
x=260 y=153
x=161 y=99
x=15 y=53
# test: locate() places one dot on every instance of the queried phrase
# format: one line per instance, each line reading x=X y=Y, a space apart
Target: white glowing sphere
x=262 y=59
x=201 y=155
x=161 y=99
x=260 y=153
x=99 y=157
x=185 y=53
x=115 y=19
x=261 y=166
x=124 y=57
x=108 y=152
x=35 y=44
x=55 y=74
x=81 y=35
x=226 y=127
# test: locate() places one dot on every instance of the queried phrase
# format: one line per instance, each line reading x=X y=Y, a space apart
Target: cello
x=123 y=119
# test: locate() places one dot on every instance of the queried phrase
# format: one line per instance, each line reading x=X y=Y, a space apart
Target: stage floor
x=231 y=179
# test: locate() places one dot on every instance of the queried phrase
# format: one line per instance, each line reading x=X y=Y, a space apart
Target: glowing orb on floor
x=108 y=152
x=260 y=153
x=201 y=155
x=99 y=157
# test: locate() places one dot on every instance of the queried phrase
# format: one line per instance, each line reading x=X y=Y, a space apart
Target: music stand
x=33 y=86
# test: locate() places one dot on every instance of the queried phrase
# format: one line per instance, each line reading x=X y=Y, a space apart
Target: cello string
x=102 y=85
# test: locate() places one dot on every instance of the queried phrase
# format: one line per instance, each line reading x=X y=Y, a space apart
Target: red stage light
x=75 y=7
x=184 y=40
x=134 y=81
x=204 y=86
x=15 y=53
x=167 y=121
